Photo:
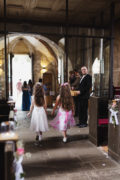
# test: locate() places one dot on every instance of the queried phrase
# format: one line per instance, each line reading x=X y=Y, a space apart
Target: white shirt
x=82 y=78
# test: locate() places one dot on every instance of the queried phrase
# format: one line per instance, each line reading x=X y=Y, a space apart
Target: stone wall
x=36 y=66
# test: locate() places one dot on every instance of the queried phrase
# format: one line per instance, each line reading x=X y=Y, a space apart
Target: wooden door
x=47 y=80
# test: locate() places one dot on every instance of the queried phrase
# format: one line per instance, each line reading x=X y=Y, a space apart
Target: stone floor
x=78 y=159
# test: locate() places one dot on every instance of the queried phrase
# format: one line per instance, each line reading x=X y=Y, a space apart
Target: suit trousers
x=83 y=111
x=75 y=98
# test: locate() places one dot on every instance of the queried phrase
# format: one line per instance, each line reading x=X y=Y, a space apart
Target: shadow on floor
x=53 y=143
x=53 y=166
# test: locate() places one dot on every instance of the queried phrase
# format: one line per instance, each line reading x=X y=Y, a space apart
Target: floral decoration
x=114 y=108
x=18 y=158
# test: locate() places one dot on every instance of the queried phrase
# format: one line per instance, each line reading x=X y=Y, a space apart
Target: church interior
x=47 y=40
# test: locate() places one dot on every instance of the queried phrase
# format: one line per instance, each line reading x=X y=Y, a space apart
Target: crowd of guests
x=27 y=90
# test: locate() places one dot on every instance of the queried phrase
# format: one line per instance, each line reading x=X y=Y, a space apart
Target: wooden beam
x=29 y=5
x=57 y=5
x=59 y=35
x=51 y=24
x=2 y=8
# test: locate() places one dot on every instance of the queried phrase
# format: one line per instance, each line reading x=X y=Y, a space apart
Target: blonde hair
x=38 y=94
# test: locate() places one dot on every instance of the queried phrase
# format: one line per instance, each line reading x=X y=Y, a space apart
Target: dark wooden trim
x=66 y=43
x=114 y=155
x=112 y=13
x=54 y=24
x=83 y=52
x=93 y=140
x=5 y=52
x=11 y=73
x=93 y=50
x=61 y=35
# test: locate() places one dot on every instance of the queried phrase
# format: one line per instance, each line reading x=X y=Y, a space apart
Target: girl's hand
x=28 y=114
x=73 y=113
x=46 y=112
x=52 y=113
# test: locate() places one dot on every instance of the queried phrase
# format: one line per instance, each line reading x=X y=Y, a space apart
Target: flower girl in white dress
x=38 y=107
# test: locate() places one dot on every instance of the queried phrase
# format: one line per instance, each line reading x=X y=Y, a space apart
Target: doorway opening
x=21 y=70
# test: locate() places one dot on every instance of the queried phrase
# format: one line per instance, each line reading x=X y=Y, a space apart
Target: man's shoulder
x=89 y=76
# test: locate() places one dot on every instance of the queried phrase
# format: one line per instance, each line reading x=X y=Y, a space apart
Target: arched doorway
x=40 y=49
x=20 y=63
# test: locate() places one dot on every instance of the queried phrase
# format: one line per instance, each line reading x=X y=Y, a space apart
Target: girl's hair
x=25 y=84
x=66 y=99
x=30 y=82
x=39 y=94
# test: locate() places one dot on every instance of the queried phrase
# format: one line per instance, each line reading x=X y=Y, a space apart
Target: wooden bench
x=4 y=112
x=7 y=148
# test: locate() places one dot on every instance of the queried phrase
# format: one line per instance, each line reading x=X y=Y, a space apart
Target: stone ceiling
x=82 y=12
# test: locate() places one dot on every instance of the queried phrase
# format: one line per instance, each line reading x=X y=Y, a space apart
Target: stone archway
x=39 y=48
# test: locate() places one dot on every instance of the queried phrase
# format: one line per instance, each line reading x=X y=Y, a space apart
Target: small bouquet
x=18 y=158
x=114 y=108
x=74 y=93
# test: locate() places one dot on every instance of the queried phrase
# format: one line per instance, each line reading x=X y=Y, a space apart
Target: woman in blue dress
x=25 y=97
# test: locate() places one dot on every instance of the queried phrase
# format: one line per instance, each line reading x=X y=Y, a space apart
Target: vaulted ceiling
x=81 y=12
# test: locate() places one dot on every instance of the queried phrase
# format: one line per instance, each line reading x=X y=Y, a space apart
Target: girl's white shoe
x=40 y=137
x=65 y=139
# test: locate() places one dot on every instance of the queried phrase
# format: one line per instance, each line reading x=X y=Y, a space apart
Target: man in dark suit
x=83 y=96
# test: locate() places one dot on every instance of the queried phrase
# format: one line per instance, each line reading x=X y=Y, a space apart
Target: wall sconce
x=0 y=63
x=1 y=71
x=44 y=70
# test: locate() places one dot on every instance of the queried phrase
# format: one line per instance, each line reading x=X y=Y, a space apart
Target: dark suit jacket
x=84 y=87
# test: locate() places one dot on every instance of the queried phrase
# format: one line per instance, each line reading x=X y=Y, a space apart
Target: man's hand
x=77 y=92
